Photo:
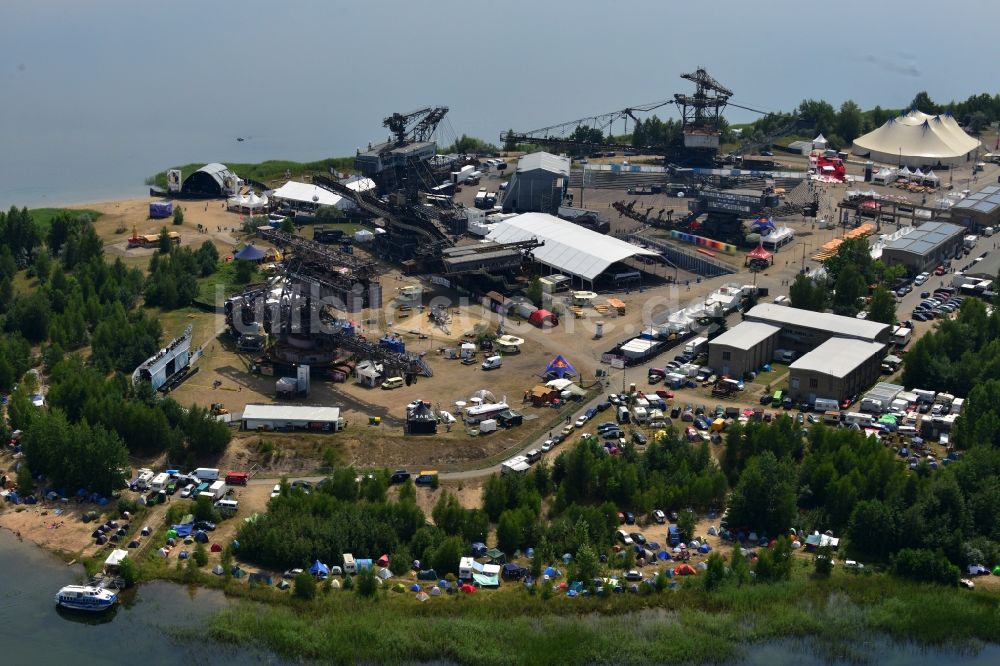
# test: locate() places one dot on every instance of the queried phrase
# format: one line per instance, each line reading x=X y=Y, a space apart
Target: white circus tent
x=917 y=139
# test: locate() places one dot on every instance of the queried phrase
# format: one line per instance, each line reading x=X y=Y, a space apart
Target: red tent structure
x=685 y=570
x=383 y=561
x=468 y=589
x=543 y=319
x=759 y=255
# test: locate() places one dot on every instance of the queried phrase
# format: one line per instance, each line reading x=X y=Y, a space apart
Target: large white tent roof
x=568 y=247
x=306 y=193
x=917 y=135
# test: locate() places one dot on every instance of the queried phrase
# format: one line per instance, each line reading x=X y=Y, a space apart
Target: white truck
x=901 y=336
x=215 y=492
x=206 y=473
x=970 y=241
x=492 y=363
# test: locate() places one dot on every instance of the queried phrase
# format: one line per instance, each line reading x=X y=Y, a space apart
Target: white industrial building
x=292 y=417
x=567 y=248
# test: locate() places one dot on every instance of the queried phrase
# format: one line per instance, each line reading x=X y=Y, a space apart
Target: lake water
x=146 y=628
x=98 y=95
x=142 y=630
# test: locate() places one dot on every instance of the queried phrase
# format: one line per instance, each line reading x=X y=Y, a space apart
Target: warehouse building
x=743 y=348
x=538 y=184
x=836 y=369
x=979 y=210
x=292 y=417
x=929 y=245
x=804 y=330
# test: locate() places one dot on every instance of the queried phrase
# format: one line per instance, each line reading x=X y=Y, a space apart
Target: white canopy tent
x=568 y=247
x=917 y=139
x=298 y=193
x=247 y=203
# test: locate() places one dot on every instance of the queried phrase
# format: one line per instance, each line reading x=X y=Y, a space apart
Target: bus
x=778 y=396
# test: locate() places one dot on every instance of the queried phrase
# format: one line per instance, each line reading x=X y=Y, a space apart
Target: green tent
x=171 y=534
x=996 y=570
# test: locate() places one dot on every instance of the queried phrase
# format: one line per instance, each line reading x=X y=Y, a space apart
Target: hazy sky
x=100 y=94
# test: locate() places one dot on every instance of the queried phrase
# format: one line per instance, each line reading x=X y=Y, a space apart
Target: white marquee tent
x=568 y=247
x=247 y=203
x=917 y=139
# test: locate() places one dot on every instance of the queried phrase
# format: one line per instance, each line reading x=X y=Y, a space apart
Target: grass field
x=43 y=216
x=511 y=626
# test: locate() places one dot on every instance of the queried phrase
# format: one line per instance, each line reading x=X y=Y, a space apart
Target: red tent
x=216 y=548
x=759 y=254
x=543 y=319
x=383 y=561
x=684 y=570
x=468 y=589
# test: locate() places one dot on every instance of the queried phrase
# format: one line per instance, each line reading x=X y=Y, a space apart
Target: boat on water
x=86 y=598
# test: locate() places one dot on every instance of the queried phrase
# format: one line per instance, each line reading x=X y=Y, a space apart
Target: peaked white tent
x=917 y=139
x=819 y=143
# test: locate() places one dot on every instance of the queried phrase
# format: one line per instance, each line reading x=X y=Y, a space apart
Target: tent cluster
x=917 y=139
x=247 y=203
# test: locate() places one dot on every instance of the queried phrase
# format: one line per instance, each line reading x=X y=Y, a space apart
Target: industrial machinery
x=406 y=161
x=701 y=116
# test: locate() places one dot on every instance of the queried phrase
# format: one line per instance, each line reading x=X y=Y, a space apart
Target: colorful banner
x=701 y=241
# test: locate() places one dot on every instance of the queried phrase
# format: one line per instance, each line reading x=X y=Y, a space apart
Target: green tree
x=447 y=556
x=305 y=586
x=200 y=554
x=715 y=574
x=686 y=522
x=587 y=563
x=849 y=288
x=923 y=102
x=25 y=481
x=806 y=294
x=128 y=571
x=882 y=306
x=288 y=225
x=764 y=498
x=823 y=562
x=244 y=271
x=849 y=121
x=534 y=292
x=871 y=531
x=367 y=582
x=820 y=113
x=509 y=531
x=178 y=215
x=163 y=243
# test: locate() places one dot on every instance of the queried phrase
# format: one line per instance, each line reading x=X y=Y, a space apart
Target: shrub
x=128 y=504
x=367 y=582
x=823 y=562
x=200 y=555
x=925 y=565
x=305 y=586
x=128 y=571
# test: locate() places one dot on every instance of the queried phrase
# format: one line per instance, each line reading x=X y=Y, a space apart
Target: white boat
x=86 y=598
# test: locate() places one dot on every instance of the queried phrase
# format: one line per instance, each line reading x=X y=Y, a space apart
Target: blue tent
x=184 y=529
x=552 y=573
x=250 y=253
x=704 y=548
x=414 y=588
x=479 y=549
x=560 y=367
x=318 y=568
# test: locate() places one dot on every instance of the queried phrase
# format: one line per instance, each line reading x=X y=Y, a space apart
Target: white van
x=392 y=383
x=227 y=505
x=782 y=300
x=492 y=362
x=206 y=473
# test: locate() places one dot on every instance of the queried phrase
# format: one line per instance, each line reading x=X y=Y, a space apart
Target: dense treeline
x=173 y=278
x=851 y=275
x=958 y=354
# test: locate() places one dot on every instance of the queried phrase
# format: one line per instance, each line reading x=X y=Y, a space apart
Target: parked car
x=629 y=518
x=276 y=490
x=638 y=538
x=659 y=517
x=624 y=537
x=547 y=445
x=581 y=421
x=399 y=476
x=187 y=490
x=291 y=573
x=206 y=525
x=766 y=399
x=633 y=576
x=639 y=438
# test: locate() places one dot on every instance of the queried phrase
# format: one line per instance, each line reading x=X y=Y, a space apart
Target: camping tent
x=684 y=570
x=560 y=367
x=319 y=569
x=160 y=209
x=422 y=597
x=384 y=574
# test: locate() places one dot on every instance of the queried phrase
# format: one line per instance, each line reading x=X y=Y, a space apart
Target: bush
x=129 y=572
x=925 y=565
x=823 y=562
x=128 y=504
x=367 y=582
x=305 y=586
x=200 y=555
x=348 y=582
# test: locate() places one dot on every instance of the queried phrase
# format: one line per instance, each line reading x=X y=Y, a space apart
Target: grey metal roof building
x=980 y=209
x=291 y=417
x=927 y=246
x=793 y=321
x=538 y=184
x=838 y=368
x=743 y=348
